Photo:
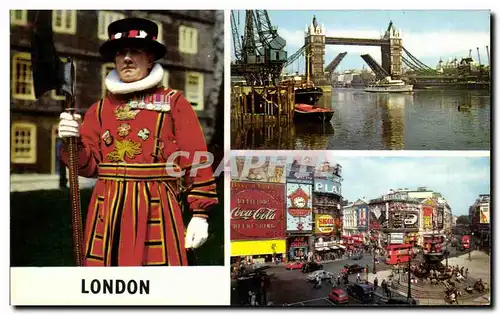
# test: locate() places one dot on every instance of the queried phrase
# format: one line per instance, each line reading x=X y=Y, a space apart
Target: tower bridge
x=315 y=42
x=261 y=55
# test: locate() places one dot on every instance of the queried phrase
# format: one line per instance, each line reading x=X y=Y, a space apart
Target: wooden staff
x=74 y=188
x=50 y=73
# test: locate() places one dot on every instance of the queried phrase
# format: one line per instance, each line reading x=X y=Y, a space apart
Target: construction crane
x=262 y=50
x=236 y=38
x=268 y=34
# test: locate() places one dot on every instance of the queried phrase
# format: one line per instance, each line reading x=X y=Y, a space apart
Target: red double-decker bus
x=398 y=253
x=465 y=241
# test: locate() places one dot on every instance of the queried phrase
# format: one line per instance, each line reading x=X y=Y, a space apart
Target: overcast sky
x=459 y=179
x=428 y=35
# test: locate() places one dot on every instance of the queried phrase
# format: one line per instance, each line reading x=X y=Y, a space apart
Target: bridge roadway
x=356 y=41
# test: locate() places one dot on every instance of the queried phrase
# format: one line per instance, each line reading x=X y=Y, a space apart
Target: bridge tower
x=393 y=52
x=315 y=51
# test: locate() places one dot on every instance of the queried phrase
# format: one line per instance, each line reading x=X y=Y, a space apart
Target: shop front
x=325 y=249
x=355 y=241
x=258 y=252
x=298 y=248
x=412 y=238
x=257 y=222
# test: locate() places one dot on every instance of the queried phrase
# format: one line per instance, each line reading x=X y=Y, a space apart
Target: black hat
x=132 y=33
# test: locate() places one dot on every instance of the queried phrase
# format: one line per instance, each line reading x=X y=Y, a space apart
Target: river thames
x=424 y=120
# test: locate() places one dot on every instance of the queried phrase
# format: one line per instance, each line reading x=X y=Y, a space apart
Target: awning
x=334 y=247
x=341 y=246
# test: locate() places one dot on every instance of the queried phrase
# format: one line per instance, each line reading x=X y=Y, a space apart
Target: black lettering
x=84 y=290
x=144 y=287
x=120 y=286
x=108 y=286
x=132 y=287
x=95 y=286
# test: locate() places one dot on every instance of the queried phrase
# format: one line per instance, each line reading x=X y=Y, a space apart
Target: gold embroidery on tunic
x=125 y=113
x=124 y=130
x=122 y=148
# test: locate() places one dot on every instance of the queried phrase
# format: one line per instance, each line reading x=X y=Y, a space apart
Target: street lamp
x=447 y=254
x=409 y=278
x=374 y=271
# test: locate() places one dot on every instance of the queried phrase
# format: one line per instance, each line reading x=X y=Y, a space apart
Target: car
x=324 y=275
x=361 y=291
x=311 y=266
x=338 y=296
x=357 y=257
x=354 y=268
x=294 y=265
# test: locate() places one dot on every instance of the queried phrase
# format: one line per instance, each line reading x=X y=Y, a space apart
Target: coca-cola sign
x=257 y=211
x=257 y=214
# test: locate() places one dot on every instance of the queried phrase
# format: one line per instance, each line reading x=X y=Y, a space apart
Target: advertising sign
x=299 y=207
x=325 y=224
x=322 y=185
x=272 y=170
x=257 y=211
x=300 y=174
x=440 y=218
x=362 y=217
x=427 y=216
x=410 y=220
x=484 y=212
x=300 y=241
x=377 y=219
x=396 y=238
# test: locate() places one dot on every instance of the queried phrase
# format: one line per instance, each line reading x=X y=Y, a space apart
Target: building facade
x=327 y=209
x=189 y=38
x=315 y=52
x=479 y=217
x=258 y=217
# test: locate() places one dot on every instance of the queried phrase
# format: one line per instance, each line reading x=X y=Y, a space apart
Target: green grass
x=41 y=235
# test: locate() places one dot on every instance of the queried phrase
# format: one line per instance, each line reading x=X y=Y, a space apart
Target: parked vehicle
x=361 y=291
x=324 y=275
x=338 y=296
x=354 y=268
x=357 y=257
x=454 y=242
x=294 y=265
x=311 y=266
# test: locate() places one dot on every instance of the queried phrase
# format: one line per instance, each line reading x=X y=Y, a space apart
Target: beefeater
x=137 y=141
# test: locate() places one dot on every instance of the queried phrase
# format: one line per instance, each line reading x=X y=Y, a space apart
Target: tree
x=463 y=219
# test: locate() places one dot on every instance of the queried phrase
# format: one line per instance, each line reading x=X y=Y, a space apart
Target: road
x=291 y=287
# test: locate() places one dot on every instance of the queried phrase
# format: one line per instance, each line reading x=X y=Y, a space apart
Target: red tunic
x=134 y=217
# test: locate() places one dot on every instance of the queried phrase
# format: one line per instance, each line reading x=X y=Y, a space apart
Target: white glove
x=69 y=126
x=197 y=232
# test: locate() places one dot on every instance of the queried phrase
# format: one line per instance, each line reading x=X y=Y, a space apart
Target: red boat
x=306 y=112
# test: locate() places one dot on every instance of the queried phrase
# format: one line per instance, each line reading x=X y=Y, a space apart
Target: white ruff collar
x=116 y=86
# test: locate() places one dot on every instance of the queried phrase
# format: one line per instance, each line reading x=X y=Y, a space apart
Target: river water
x=424 y=120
